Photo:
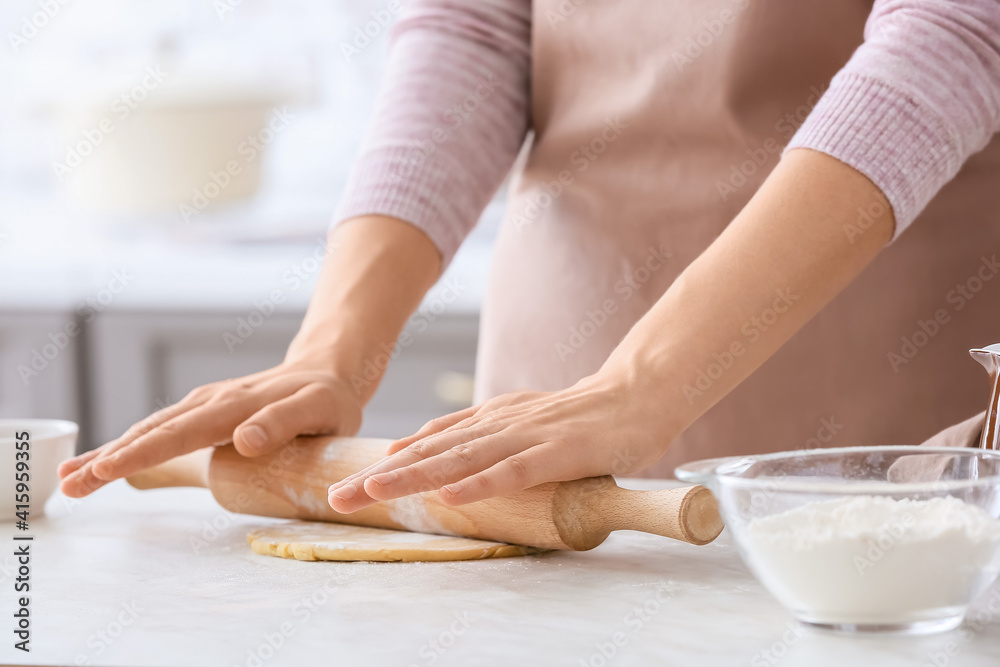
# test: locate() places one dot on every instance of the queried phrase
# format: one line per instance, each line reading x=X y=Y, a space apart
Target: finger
x=137 y=430
x=415 y=452
x=350 y=479
x=348 y=495
x=72 y=465
x=451 y=465
x=80 y=483
x=541 y=463
x=433 y=426
x=214 y=414
x=204 y=426
x=306 y=412
x=192 y=400
x=81 y=479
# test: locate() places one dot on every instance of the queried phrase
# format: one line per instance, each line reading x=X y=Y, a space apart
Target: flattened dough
x=315 y=540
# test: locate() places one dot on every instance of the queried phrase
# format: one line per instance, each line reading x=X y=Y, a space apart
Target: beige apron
x=655 y=121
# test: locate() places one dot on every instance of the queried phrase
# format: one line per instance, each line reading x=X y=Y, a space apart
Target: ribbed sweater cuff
x=900 y=144
x=413 y=184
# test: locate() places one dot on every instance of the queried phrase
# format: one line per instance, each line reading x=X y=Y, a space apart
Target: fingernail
x=346 y=492
x=254 y=437
x=455 y=489
x=385 y=479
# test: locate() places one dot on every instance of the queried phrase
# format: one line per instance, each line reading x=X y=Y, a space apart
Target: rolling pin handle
x=689 y=514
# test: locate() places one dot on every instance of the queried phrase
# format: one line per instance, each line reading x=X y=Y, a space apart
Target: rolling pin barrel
x=292 y=483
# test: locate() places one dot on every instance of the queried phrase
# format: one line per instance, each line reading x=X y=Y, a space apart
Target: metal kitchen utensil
x=989 y=357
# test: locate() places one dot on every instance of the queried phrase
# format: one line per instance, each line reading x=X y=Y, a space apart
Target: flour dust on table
x=314 y=540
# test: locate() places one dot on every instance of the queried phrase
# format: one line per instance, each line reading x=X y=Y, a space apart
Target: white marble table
x=122 y=579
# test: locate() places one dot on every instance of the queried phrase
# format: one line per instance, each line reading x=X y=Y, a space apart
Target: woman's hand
x=667 y=372
x=258 y=413
x=375 y=273
x=515 y=441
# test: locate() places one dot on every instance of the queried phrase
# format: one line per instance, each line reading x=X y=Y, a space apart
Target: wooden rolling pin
x=292 y=483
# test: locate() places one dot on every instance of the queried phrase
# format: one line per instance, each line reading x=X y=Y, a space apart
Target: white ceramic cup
x=51 y=441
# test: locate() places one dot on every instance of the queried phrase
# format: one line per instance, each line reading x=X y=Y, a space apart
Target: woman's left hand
x=513 y=442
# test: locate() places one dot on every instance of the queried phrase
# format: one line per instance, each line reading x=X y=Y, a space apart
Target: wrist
x=376 y=275
x=321 y=352
x=337 y=352
x=645 y=398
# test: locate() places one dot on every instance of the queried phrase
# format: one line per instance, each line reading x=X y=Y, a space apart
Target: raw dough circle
x=315 y=540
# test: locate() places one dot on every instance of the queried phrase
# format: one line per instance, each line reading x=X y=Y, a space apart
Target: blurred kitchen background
x=168 y=172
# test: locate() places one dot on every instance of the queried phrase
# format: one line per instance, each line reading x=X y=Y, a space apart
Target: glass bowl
x=864 y=539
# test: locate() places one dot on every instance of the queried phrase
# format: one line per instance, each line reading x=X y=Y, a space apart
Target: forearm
x=376 y=271
x=451 y=117
x=794 y=246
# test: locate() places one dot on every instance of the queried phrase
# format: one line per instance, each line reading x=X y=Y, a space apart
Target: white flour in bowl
x=874 y=559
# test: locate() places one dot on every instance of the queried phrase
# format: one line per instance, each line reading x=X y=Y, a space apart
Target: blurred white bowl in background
x=165 y=143
x=50 y=442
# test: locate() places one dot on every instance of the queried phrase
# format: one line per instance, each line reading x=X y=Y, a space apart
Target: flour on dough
x=315 y=540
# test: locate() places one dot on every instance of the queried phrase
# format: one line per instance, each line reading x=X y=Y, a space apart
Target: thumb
x=308 y=411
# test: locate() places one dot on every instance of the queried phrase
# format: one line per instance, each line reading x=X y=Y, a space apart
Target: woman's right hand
x=375 y=272
x=257 y=413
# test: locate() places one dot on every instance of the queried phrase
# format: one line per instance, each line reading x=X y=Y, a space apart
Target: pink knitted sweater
x=918 y=98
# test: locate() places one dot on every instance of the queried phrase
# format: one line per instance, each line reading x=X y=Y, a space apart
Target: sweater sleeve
x=450 y=119
x=915 y=100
